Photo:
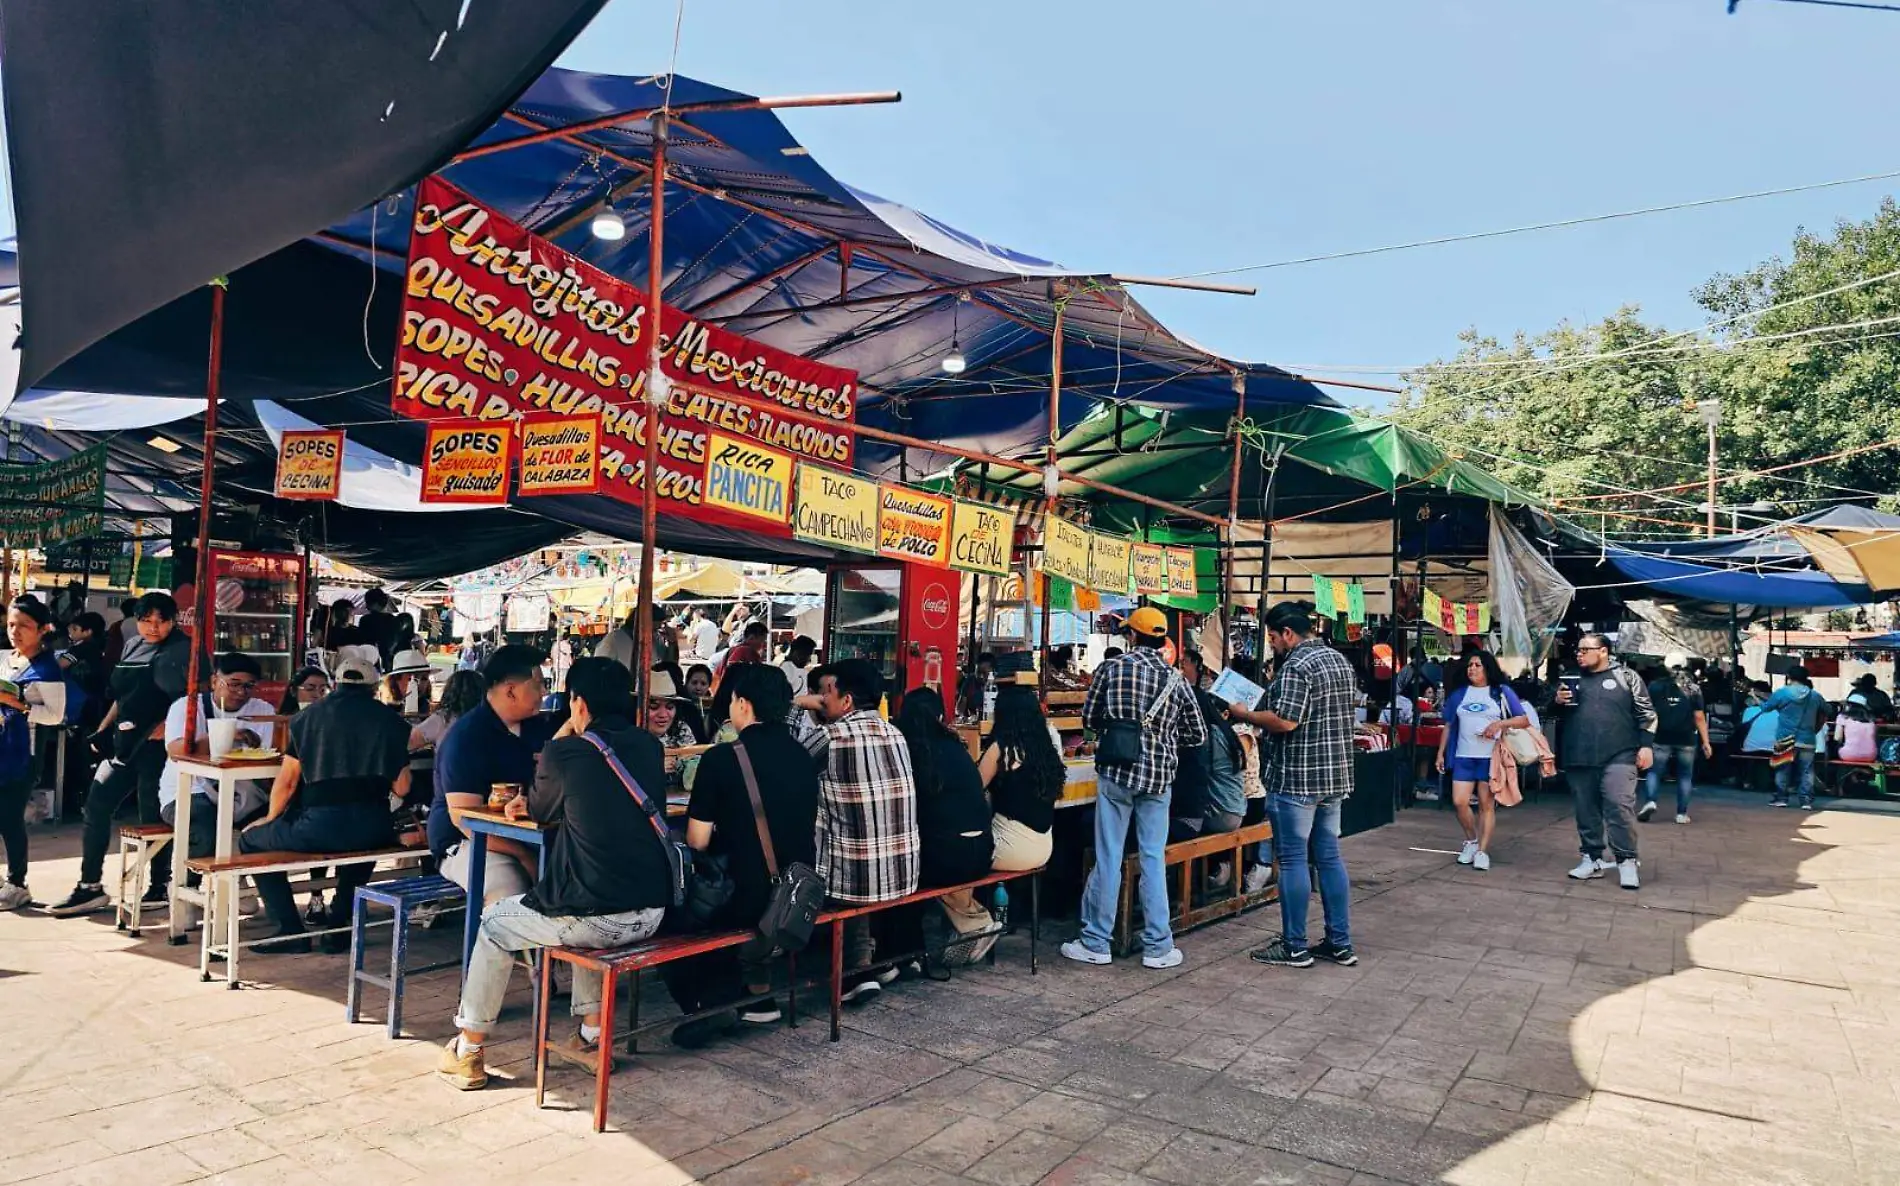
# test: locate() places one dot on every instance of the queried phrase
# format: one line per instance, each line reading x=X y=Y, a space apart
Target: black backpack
x=1675 y=711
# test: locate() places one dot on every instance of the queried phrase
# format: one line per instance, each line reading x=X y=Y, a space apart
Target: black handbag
x=1119 y=742
x=797 y=895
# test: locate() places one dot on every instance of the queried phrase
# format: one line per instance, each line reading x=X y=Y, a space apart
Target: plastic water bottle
x=989 y=696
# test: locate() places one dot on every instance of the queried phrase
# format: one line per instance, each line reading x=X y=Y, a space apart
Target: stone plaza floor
x=1737 y=1020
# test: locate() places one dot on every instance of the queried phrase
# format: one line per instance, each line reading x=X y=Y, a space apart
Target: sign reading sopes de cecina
x=466 y=461
x=497 y=321
x=310 y=464
x=560 y=454
x=836 y=509
x=913 y=526
x=748 y=479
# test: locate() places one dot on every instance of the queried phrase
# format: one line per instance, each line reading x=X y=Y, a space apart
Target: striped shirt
x=867 y=811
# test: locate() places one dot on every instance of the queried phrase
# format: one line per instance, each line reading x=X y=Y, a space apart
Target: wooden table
x=224 y=774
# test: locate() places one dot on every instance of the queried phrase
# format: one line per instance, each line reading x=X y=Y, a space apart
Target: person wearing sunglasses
x=1607 y=739
x=234 y=681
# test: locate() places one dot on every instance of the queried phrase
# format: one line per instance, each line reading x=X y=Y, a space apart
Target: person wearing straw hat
x=400 y=684
x=663 y=712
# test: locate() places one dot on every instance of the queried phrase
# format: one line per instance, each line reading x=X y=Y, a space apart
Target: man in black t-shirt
x=720 y=821
x=604 y=875
x=348 y=754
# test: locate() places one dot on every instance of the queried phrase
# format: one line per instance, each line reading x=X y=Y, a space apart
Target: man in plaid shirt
x=867 y=805
x=1308 y=717
x=1138 y=688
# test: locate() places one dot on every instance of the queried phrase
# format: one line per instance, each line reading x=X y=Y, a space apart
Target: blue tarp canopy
x=1679 y=580
x=758 y=238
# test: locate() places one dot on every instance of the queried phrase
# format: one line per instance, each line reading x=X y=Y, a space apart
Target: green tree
x=1575 y=412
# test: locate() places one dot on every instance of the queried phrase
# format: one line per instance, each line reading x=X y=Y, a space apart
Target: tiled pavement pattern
x=1736 y=1021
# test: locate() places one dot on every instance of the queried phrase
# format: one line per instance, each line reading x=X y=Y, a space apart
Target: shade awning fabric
x=1730 y=586
x=1860 y=549
x=155 y=147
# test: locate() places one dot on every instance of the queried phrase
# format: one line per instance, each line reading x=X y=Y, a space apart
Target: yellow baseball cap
x=1147 y=620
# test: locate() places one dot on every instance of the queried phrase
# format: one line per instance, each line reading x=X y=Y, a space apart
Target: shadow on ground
x=1736 y=1018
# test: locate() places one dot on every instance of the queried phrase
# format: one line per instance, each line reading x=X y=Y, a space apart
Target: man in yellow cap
x=1142 y=713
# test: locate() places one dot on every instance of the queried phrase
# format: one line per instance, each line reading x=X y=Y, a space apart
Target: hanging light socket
x=659 y=387
x=1051 y=480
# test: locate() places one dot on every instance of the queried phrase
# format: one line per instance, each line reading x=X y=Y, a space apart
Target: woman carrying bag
x=1476 y=717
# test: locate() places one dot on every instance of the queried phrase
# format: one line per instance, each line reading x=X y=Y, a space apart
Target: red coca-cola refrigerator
x=902 y=617
x=258 y=609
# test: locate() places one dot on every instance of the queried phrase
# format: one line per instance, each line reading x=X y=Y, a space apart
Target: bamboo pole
x=650 y=483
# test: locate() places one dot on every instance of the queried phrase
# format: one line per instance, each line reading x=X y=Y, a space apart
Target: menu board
x=748 y=479
x=981 y=539
x=560 y=454
x=836 y=509
x=1182 y=581
x=1150 y=563
x=1108 y=564
x=466 y=461
x=310 y=464
x=1065 y=550
x=913 y=526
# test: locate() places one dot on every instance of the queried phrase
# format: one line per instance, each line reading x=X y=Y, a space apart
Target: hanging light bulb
x=954 y=363
x=609 y=225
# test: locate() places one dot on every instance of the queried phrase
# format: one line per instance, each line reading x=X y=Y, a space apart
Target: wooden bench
x=836 y=918
x=139 y=846
x=1186 y=853
x=612 y=963
x=224 y=879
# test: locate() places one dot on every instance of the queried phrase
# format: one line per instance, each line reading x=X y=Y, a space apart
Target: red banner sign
x=497 y=322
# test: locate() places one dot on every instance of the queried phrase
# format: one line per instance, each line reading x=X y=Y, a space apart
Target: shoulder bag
x=797 y=893
x=702 y=889
x=1120 y=741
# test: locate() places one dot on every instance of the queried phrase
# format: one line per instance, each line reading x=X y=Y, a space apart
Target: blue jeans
x=1114 y=806
x=1684 y=758
x=1796 y=774
x=1300 y=825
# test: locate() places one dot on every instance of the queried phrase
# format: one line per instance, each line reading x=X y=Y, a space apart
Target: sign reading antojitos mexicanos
x=497 y=322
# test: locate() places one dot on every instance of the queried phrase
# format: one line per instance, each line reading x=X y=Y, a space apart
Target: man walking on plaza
x=1308 y=720
x=1682 y=729
x=1137 y=690
x=1606 y=741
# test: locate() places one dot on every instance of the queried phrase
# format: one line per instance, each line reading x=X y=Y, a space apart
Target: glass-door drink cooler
x=258 y=609
x=901 y=617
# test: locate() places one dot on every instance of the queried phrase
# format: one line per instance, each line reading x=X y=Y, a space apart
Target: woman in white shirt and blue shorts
x=1476 y=715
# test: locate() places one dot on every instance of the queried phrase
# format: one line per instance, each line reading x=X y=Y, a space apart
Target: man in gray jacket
x=1607 y=740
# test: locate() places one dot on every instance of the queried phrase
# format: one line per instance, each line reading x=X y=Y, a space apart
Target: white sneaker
x=1074 y=950
x=1481 y=861
x=1221 y=877
x=1257 y=880
x=1681 y=818
x=1626 y=874
x=1468 y=853
x=1172 y=959
x=13 y=897
x=1589 y=868
x=1646 y=810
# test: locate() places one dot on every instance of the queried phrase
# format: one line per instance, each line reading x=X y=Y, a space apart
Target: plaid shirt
x=1124 y=689
x=867 y=811
x=1314 y=686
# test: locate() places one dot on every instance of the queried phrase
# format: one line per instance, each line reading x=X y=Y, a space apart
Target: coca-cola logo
x=935 y=606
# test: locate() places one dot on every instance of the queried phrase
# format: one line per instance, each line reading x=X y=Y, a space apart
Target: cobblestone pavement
x=1738 y=1020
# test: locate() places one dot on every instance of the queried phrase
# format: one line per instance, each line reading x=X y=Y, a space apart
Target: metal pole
x=1055 y=430
x=1266 y=542
x=1233 y=517
x=1711 y=524
x=713 y=105
x=205 y=580
x=650 y=484
x=1401 y=769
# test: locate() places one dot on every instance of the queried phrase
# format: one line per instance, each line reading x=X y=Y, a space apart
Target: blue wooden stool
x=399 y=896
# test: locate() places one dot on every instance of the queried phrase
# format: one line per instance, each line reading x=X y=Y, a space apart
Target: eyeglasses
x=239 y=685
x=1593 y=647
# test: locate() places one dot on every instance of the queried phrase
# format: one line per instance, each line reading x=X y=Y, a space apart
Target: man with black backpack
x=606 y=879
x=1682 y=727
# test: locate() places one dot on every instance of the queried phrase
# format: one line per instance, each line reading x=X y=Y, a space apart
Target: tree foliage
x=1578 y=411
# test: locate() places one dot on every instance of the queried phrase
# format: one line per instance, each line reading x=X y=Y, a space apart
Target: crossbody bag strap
x=633 y=786
x=1167 y=688
x=758 y=808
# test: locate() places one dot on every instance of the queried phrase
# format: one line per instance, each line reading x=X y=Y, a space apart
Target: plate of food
x=250 y=753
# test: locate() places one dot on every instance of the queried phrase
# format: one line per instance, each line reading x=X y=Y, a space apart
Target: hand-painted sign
x=1108 y=564
x=497 y=321
x=560 y=455
x=466 y=461
x=748 y=479
x=913 y=526
x=310 y=464
x=836 y=509
x=54 y=501
x=1150 y=562
x=981 y=539
x=1182 y=581
x=1065 y=550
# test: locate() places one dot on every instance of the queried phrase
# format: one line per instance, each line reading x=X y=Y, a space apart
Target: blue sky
x=1196 y=134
